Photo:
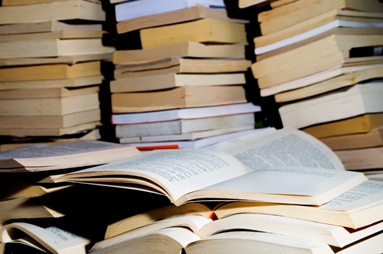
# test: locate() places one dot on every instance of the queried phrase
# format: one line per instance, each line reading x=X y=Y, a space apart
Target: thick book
x=181 y=97
x=50 y=72
x=178 y=16
x=135 y=9
x=335 y=21
x=26 y=2
x=46 y=27
x=54 y=83
x=301 y=10
x=235 y=174
x=49 y=240
x=181 y=65
x=354 y=125
x=187 y=49
x=312 y=58
x=206 y=30
x=53 y=48
x=71 y=155
x=58 y=10
x=355 y=209
x=361 y=159
x=49 y=122
x=374 y=138
x=175 y=80
x=183 y=125
x=356 y=100
x=248 y=3
x=20 y=104
x=323 y=82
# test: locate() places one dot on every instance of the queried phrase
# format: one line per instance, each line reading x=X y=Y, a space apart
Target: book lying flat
x=323 y=82
x=356 y=100
x=58 y=83
x=186 y=136
x=232 y=175
x=46 y=27
x=320 y=232
x=53 y=48
x=324 y=54
x=50 y=106
x=135 y=9
x=183 y=125
x=76 y=154
x=181 y=97
x=361 y=159
x=50 y=72
x=46 y=122
x=203 y=30
x=251 y=242
x=52 y=35
x=61 y=10
x=302 y=10
x=189 y=49
x=185 y=113
x=174 y=80
x=355 y=209
x=354 y=125
x=191 y=144
x=374 y=138
x=335 y=21
x=181 y=65
x=173 y=17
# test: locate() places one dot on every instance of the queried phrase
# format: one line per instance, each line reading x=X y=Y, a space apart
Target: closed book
x=183 y=126
x=174 y=80
x=182 y=97
x=203 y=30
x=356 y=100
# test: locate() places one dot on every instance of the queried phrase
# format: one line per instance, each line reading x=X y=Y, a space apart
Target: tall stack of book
x=186 y=81
x=322 y=61
x=50 y=56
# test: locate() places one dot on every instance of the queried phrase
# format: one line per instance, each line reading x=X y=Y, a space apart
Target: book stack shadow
x=183 y=86
x=50 y=75
x=322 y=61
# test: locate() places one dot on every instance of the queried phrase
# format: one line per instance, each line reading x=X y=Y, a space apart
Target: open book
x=47 y=240
x=63 y=156
x=287 y=166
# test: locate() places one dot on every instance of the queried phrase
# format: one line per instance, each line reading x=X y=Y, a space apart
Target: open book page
x=366 y=194
x=191 y=222
x=311 y=186
x=52 y=239
x=176 y=172
x=285 y=148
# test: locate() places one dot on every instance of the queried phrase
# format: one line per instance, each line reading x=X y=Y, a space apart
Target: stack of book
x=287 y=190
x=322 y=61
x=192 y=62
x=50 y=57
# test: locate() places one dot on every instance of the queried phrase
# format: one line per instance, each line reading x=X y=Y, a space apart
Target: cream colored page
x=179 y=171
x=365 y=194
x=58 y=150
x=52 y=238
x=285 y=148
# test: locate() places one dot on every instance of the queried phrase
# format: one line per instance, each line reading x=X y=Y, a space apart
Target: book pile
x=322 y=61
x=186 y=82
x=282 y=192
x=50 y=57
